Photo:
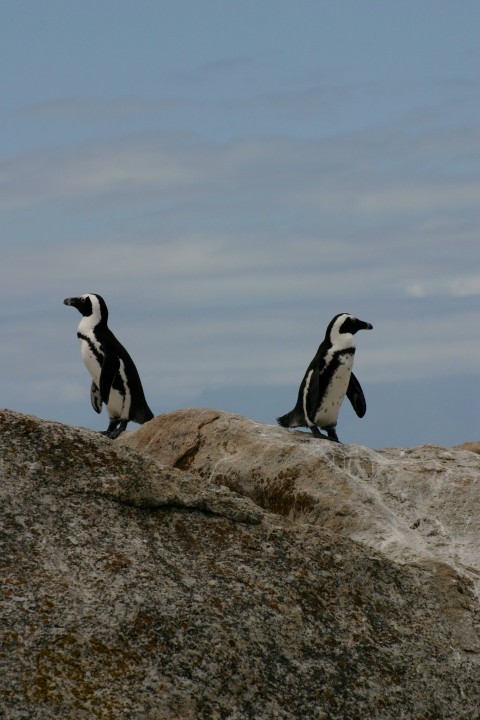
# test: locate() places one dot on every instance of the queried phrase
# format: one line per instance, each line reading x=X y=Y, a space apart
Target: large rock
x=420 y=504
x=132 y=589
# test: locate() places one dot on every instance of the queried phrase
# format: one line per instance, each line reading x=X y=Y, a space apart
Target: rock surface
x=136 y=584
x=420 y=504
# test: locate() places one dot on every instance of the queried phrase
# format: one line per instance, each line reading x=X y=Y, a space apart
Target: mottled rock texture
x=417 y=504
x=177 y=574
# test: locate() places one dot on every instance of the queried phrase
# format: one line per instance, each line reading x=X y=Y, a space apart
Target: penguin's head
x=344 y=325
x=90 y=305
x=351 y=324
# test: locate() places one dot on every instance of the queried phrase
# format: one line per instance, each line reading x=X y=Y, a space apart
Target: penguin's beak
x=71 y=301
x=361 y=325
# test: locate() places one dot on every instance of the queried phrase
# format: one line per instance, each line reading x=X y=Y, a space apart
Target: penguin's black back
x=139 y=409
x=324 y=378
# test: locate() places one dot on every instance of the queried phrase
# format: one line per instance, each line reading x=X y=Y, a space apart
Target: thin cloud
x=205 y=72
x=224 y=261
x=95 y=170
x=464 y=286
x=371 y=173
x=325 y=97
x=419 y=198
x=85 y=108
x=91 y=109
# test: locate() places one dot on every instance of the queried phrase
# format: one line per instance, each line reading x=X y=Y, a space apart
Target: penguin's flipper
x=96 y=398
x=313 y=395
x=110 y=367
x=356 y=396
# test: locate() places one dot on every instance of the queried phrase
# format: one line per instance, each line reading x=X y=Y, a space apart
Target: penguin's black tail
x=283 y=420
x=143 y=415
x=148 y=415
x=291 y=419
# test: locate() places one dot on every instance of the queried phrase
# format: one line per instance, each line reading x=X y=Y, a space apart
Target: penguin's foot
x=332 y=434
x=113 y=434
x=115 y=429
x=317 y=434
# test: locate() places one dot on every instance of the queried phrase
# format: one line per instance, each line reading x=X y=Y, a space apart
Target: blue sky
x=229 y=176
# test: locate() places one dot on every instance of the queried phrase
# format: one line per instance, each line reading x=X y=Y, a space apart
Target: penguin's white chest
x=119 y=400
x=91 y=354
x=327 y=413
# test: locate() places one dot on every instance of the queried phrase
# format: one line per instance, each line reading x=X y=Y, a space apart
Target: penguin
x=328 y=379
x=115 y=379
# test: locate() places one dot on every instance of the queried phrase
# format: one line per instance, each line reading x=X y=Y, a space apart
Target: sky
x=231 y=175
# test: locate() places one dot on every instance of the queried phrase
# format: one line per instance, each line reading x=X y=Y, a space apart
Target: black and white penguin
x=328 y=379
x=115 y=378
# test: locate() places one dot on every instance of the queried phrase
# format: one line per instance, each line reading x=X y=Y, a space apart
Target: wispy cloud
x=92 y=109
x=373 y=173
x=207 y=71
x=456 y=286
x=96 y=170
x=324 y=97
x=226 y=260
